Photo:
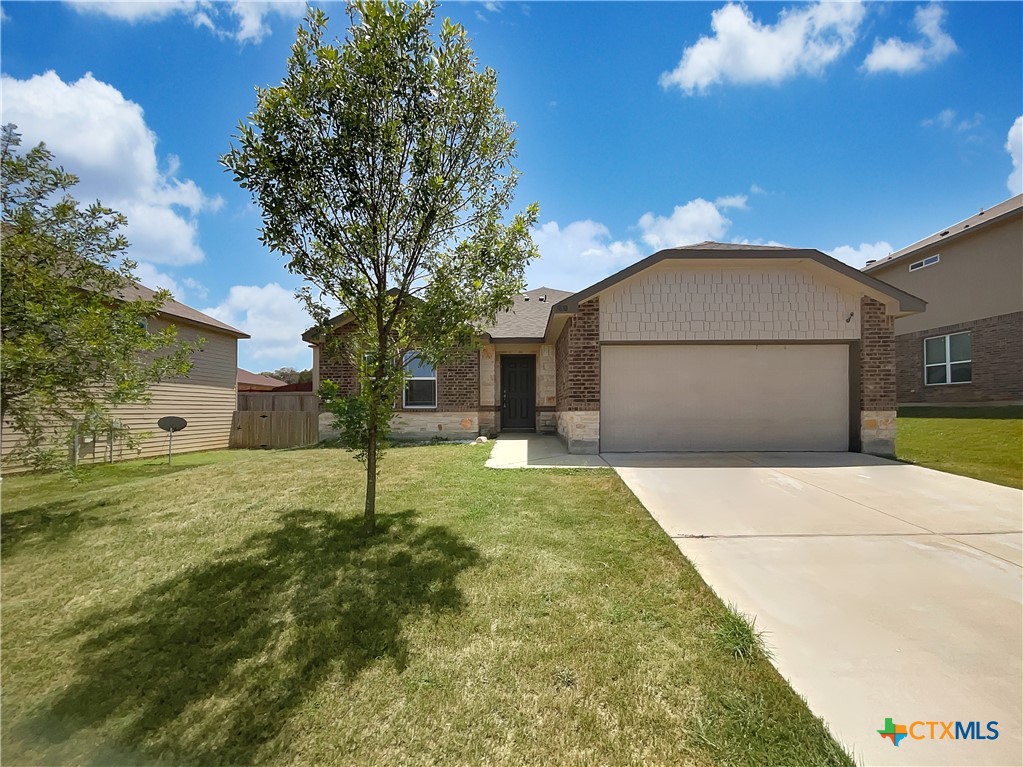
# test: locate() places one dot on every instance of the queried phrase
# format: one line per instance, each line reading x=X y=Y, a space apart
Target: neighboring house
x=206 y=397
x=968 y=346
x=301 y=386
x=708 y=347
x=255 y=382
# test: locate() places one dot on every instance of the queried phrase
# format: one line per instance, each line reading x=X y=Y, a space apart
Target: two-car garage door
x=724 y=397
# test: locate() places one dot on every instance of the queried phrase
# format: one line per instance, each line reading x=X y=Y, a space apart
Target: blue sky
x=852 y=128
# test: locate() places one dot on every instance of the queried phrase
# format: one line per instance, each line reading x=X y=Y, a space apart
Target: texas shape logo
x=894 y=732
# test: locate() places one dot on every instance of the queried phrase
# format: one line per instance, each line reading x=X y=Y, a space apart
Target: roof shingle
x=527 y=319
x=177 y=309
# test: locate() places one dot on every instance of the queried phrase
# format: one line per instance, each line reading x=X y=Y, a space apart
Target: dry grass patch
x=231 y=612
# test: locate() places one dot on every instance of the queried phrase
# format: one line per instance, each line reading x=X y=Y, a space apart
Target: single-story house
x=707 y=347
x=248 y=381
x=968 y=347
x=206 y=398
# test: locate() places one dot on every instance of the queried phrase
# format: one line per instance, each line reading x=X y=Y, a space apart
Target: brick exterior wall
x=577 y=356
x=338 y=369
x=458 y=383
x=458 y=380
x=877 y=356
x=997 y=352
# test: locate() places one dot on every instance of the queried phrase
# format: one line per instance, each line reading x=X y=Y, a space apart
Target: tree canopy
x=75 y=341
x=383 y=168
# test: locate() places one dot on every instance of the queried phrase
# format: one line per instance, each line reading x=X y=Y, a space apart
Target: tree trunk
x=369 y=523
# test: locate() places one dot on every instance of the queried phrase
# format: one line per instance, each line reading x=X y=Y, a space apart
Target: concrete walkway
x=886 y=590
x=538 y=451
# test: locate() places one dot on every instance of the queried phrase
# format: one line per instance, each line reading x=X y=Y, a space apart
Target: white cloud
x=805 y=40
x=100 y=136
x=736 y=201
x=275 y=320
x=134 y=11
x=1014 y=146
x=757 y=189
x=153 y=278
x=858 y=257
x=951 y=120
x=944 y=119
x=696 y=221
x=577 y=255
x=896 y=55
x=242 y=20
x=583 y=252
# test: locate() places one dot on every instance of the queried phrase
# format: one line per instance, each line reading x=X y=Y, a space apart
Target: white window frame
x=949 y=362
x=404 y=389
x=929 y=261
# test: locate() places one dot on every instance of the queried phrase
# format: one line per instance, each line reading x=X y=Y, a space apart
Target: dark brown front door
x=518 y=392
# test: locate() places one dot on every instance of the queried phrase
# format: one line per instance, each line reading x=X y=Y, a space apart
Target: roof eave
x=907 y=303
x=928 y=242
x=175 y=319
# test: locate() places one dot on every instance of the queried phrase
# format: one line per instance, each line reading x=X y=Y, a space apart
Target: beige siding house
x=206 y=398
x=706 y=347
x=968 y=346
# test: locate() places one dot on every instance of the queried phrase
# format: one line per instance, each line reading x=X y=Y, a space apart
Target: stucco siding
x=699 y=303
x=978 y=275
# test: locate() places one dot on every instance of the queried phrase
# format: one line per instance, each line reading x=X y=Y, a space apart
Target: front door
x=518 y=392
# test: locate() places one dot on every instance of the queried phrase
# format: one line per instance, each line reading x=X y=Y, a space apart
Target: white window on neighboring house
x=420 y=383
x=929 y=261
x=948 y=359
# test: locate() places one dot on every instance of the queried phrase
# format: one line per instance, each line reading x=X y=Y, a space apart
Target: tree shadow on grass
x=205 y=668
x=53 y=523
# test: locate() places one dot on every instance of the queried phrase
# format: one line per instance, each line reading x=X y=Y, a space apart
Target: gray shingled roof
x=179 y=310
x=730 y=246
x=1013 y=204
x=527 y=319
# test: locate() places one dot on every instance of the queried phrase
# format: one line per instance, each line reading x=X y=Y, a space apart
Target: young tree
x=71 y=346
x=383 y=167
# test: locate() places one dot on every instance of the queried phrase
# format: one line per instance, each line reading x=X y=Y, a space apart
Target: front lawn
x=229 y=611
x=980 y=442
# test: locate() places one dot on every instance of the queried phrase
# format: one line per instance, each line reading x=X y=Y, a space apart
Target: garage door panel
x=727 y=397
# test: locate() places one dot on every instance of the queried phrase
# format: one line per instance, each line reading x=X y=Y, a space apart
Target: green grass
x=230 y=611
x=737 y=633
x=980 y=442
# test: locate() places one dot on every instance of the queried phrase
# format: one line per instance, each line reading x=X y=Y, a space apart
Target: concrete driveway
x=887 y=590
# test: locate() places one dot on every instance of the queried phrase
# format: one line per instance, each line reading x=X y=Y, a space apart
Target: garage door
x=732 y=397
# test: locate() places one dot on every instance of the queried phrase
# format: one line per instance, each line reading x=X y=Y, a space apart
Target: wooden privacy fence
x=284 y=401
x=271 y=429
x=275 y=420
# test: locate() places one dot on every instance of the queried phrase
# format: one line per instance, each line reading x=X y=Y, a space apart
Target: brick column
x=877 y=378
x=577 y=356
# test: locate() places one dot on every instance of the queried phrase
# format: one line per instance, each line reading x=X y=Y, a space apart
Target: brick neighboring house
x=967 y=348
x=706 y=347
